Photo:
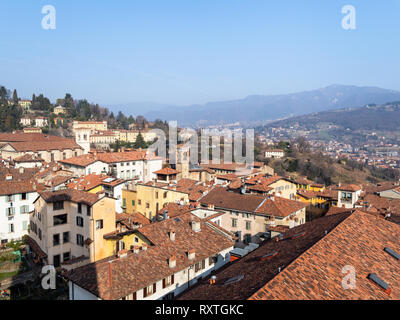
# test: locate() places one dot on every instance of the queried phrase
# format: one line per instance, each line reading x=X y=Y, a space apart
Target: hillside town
x=103 y=218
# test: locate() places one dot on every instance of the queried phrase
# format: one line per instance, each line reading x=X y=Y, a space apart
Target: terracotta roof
x=174 y=209
x=347 y=187
x=24 y=137
x=110 y=157
x=28 y=158
x=166 y=171
x=35 y=146
x=16 y=187
x=76 y=196
x=337 y=210
x=256 y=273
x=280 y=207
x=36 y=248
x=359 y=241
x=91 y=181
x=114 y=278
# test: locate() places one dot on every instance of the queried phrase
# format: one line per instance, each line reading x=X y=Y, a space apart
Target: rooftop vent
x=196 y=227
x=379 y=282
x=172 y=262
x=234 y=280
x=394 y=254
x=172 y=235
x=191 y=254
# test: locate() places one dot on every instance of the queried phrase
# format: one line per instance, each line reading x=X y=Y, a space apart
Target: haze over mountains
x=258 y=109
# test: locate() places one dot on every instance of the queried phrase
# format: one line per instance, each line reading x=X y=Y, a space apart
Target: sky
x=194 y=51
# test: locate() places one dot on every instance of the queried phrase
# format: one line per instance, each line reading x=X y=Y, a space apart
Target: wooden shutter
x=172 y=279
x=134 y=296
x=203 y=264
x=163 y=283
x=154 y=287
x=145 y=292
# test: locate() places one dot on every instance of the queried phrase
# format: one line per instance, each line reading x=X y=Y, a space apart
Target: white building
x=25 y=122
x=135 y=165
x=16 y=201
x=348 y=195
x=41 y=122
x=274 y=153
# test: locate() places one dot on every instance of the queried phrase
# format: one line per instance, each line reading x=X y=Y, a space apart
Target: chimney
x=172 y=235
x=21 y=170
x=136 y=249
x=9 y=177
x=191 y=254
x=213 y=279
x=196 y=226
x=144 y=247
x=172 y=262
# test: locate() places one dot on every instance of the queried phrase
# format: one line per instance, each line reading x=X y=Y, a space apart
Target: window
x=10 y=212
x=24 y=225
x=157 y=195
x=65 y=237
x=150 y=290
x=248 y=225
x=234 y=223
x=79 y=221
x=200 y=266
x=123 y=203
x=11 y=228
x=10 y=198
x=40 y=233
x=24 y=196
x=99 y=224
x=60 y=219
x=88 y=210
x=147 y=205
x=59 y=205
x=165 y=194
x=56 y=239
x=66 y=256
x=168 y=281
x=212 y=260
x=56 y=260
x=79 y=208
x=24 y=209
x=133 y=202
x=139 y=202
x=247 y=238
x=79 y=240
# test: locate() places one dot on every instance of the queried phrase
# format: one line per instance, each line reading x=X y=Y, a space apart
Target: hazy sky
x=194 y=51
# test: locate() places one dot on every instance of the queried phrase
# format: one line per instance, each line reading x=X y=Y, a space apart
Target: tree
x=140 y=143
x=15 y=97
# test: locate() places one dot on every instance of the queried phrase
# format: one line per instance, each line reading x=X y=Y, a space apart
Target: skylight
x=269 y=256
x=394 y=254
x=234 y=280
x=379 y=282
x=108 y=180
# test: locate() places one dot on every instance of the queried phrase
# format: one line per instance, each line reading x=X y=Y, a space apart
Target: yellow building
x=151 y=197
x=281 y=186
x=26 y=104
x=92 y=125
x=129 y=199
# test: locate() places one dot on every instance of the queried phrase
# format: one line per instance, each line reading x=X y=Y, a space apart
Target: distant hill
x=371 y=117
x=258 y=109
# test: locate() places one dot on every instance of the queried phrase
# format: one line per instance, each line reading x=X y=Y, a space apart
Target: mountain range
x=260 y=109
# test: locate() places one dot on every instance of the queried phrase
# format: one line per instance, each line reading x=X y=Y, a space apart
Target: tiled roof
x=35 y=146
x=28 y=158
x=93 y=180
x=166 y=171
x=359 y=241
x=256 y=273
x=16 y=187
x=347 y=187
x=280 y=207
x=114 y=278
x=174 y=209
x=110 y=157
x=76 y=196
